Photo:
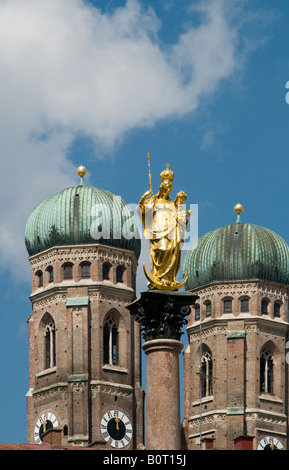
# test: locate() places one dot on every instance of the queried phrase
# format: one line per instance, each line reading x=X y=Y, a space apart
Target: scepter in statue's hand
x=150 y=176
x=150 y=191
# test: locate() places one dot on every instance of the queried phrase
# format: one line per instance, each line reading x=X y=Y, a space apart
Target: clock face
x=270 y=443
x=116 y=429
x=46 y=421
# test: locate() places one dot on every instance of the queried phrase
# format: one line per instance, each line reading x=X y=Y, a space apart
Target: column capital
x=162 y=314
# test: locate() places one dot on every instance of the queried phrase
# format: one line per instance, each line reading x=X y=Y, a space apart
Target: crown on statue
x=167 y=174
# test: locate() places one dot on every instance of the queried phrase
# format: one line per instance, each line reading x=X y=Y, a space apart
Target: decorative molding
x=48 y=298
x=78 y=387
x=262 y=417
x=267 y=326
x=76 y=311
x=112 y=293
x=252 y=323
x=267 y=417
x=81 y=253
x=49 y=392
x=109 y=388
x=228 y=288
x=214 y=330
x=209 y=418
x=97 y=291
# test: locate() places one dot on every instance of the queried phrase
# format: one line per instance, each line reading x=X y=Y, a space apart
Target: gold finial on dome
x=81 y=171
x=238 y=209
x=167 y=174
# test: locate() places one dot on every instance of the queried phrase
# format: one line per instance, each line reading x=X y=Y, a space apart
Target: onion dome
x=82 y=215
x=236 y=252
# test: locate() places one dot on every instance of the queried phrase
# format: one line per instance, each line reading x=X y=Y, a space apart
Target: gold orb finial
x=238 y=208
x=81 y=170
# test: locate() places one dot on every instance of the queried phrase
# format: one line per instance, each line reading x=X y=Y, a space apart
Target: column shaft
x=163 y=431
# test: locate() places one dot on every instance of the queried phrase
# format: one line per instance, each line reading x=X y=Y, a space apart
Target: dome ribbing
x=235 y=252
x=82 y=215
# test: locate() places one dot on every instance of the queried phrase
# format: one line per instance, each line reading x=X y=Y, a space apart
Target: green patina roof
x=237 y=251
x=66 y=218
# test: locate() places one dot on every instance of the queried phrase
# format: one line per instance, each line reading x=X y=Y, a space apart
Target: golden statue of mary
x=164 y=223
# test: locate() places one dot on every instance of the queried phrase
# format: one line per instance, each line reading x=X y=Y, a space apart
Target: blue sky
x=198 y=84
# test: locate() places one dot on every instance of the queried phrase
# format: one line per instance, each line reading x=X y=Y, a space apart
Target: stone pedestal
x=162 y=315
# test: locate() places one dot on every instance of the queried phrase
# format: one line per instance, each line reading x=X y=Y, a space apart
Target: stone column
x=163 y=394
x=162 y=315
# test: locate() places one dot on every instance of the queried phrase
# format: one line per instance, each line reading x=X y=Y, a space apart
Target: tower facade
x=84 y=347
x=235 y=369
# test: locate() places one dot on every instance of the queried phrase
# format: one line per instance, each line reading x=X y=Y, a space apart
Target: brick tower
x=84 y=347
x=235 y=371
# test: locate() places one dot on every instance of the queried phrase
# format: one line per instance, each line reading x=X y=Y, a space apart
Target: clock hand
x=44 y=425
x=271 y=444
x=117 y=420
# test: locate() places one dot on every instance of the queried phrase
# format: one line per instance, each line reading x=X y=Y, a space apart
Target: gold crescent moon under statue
x=157 y=285
x=164 y=224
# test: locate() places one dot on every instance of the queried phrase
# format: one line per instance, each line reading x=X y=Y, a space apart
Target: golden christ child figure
x=164 y=223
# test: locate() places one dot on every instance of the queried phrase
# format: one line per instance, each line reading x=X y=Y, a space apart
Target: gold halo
x=81 y=170
x=238 y=208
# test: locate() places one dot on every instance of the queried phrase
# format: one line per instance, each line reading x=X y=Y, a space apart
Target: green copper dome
x=235 y=252
x=82 y=215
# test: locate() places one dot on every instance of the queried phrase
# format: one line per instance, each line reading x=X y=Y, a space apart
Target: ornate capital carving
x=162 y=314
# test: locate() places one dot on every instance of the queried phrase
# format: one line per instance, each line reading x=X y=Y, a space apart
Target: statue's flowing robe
x=163 y=226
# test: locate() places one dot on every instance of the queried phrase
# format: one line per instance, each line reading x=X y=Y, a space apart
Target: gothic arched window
x=276 y=309
x=208 y=309
x=105 y=271
x=39 y=274
x=227 y=306
x=245 y=305
x=67 y=271
x=50 y=350
x=206 y=375
x=85 y=270
x=119 y=273
x=110 y=341
x=266 y=371
x=264 y=307
x=50 y=273
x=197 y=313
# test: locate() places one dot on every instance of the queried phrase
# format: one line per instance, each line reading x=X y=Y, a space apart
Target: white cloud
x=206 y=54
x=67 y=68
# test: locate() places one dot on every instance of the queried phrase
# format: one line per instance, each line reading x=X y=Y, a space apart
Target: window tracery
x=110 y=341
x=206 y=375
x=266 y=371
x=50 y=349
